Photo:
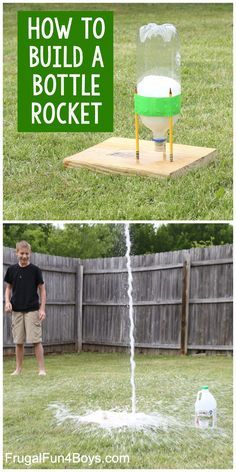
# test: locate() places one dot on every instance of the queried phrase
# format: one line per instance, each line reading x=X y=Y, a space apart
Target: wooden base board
x=117 y=155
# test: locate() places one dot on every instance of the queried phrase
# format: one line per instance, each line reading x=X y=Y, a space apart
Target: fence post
x=78 y=307
x=185 y=305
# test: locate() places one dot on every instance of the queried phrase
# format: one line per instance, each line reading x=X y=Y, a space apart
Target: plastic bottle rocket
x=158 y=79
x=205 y=409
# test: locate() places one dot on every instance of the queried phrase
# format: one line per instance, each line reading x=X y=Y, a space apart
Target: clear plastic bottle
x=158 y=75
x=205 y=409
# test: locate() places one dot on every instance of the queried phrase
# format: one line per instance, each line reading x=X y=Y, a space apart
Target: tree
x=36 y=234
x=73 y=240
x=176 y=236
x=87 y=241
x=108 y=240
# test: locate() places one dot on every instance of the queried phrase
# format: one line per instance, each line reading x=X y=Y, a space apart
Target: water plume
x=131 y=317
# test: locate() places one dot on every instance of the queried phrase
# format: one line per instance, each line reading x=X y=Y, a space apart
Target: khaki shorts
x=26 y=327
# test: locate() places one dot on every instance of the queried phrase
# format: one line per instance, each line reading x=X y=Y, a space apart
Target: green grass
x=89 y=381
x=36 y=186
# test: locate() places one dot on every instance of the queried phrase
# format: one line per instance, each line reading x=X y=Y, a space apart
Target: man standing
x=24 y=280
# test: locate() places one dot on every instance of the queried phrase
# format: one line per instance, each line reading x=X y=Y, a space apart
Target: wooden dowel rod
x=164 y=151
x=136 y=132
x=171 y=132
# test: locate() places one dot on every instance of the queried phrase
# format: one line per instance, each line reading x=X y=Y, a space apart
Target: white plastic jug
x=205 y=409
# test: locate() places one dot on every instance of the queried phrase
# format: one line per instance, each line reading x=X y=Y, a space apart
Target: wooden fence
x=182 y=302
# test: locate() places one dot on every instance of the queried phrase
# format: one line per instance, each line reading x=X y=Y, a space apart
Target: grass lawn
x=36 y=186
x=90 y=381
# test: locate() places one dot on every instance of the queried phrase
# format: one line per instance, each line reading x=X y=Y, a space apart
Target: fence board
x=78 y=308
x=185 y=305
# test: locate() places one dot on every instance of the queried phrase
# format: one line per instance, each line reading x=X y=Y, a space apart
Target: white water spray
x=131 y=317
x=117 y=420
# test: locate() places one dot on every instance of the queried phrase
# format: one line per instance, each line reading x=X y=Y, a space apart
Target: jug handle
x=199 y=395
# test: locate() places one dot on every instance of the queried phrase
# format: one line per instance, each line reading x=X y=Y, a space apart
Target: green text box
x=95 y=108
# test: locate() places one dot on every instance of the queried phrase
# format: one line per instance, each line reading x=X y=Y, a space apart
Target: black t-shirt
x=24 y=281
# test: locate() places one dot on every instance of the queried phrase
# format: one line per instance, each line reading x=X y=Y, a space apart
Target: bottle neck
x=160 y=144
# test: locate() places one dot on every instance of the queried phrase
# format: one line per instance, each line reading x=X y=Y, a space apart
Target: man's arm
x=8 y=305
x=42 y=292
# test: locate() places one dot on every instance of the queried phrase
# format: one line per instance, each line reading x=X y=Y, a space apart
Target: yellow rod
x=136 y=132
x=171 y=132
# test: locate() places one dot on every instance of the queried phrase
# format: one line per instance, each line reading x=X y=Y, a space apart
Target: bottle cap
x=205 y=387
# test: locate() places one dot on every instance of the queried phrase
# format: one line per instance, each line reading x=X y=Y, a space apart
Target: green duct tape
x=153 y=106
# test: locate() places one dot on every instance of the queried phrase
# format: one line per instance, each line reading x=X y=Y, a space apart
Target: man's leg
x=38 y=348
x=19 y=359
x=18 y=332
x=33 y=327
